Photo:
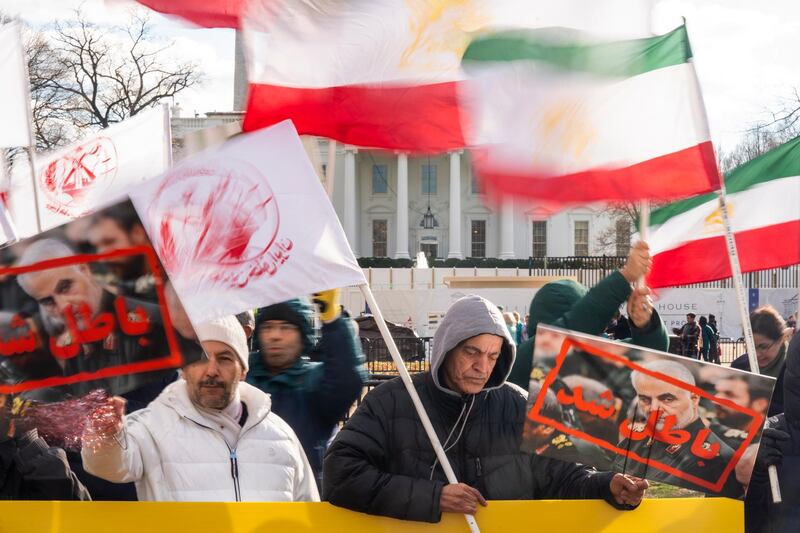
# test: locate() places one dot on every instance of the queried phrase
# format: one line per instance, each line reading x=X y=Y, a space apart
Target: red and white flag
x=687 y=238
x=206 y=13
x=382 y=73
x=246 y=225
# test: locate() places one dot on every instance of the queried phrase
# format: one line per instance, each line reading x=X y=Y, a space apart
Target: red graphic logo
x=86 y=170
x=217 y=221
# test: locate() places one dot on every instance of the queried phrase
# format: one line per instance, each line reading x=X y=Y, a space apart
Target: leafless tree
x=612 y=239
x=108 y=76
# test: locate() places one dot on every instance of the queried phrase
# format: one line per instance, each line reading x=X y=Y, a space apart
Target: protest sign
x=79 y=312
x=645 y=413
x=246 y=225
x=92 y=173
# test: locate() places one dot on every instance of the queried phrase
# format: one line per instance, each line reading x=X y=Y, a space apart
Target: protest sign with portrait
x=645 y=413
x=86 y=307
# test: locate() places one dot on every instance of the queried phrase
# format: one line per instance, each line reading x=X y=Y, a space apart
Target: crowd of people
x=258 y=416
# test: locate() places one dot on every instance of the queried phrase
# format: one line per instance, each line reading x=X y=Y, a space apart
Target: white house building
x=395 y=205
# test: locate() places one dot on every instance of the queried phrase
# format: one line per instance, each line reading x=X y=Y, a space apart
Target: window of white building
x=478 y=238
x=429 y=185
x=380 y=183
x=581 y=237
x=539 y=248
x=379 y=238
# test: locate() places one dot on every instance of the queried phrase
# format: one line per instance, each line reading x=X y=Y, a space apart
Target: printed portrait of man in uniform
x=87 y=331
x=650 y=414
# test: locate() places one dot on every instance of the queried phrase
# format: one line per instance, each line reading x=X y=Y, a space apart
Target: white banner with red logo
x=94 y=172
x=246 y=225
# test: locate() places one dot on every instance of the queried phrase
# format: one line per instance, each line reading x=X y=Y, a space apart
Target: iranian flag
x=206 y=13
x=556 y=118
x=382 y=74
x=687 y=238
x=385 y=73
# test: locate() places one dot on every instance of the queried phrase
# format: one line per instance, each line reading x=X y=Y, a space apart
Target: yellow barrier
x=682 y=515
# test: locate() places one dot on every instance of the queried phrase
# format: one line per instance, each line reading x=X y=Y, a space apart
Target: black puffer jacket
x=761 y=515
x=32 y=470
x=382 y=462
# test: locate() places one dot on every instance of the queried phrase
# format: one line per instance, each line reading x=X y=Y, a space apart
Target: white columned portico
x=401 y=229
x=350 y=203
x=455 y=207
x=507 y=229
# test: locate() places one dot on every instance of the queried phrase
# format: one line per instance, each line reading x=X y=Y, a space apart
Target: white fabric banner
x=95 y=172
x=246 y=225
x=14 y=93
x=674 y=304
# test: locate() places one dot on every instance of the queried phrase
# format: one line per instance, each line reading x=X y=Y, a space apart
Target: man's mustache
x=211 y=383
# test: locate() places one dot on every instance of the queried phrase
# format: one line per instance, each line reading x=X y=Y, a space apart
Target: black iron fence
x=415 y=352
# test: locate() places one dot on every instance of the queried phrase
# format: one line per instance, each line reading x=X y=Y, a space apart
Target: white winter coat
x=173 y=453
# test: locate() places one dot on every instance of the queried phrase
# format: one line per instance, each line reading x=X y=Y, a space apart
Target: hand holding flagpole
x=423 y=415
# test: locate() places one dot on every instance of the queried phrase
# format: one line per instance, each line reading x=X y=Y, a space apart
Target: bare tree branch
x=85 y=76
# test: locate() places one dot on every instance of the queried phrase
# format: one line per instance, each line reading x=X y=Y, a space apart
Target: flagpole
x=6 y=221
x=644 y=228
x=736 y=273
x=406 y=378
x=167 y=135
x=31 y=147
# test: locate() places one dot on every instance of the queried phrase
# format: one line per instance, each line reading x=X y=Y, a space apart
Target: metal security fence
x=416 y=353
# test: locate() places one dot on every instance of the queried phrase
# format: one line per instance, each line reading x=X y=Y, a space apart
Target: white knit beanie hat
x=228 y=330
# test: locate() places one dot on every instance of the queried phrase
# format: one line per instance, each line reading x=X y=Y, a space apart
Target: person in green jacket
x=311 y=396
x=570 y=305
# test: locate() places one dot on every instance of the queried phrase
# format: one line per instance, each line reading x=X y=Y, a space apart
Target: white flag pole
x=330 y=167
x=404 y=375
x=31 y=146
x=167 y=135
x=9 y=229
x=32 y=165
x=736 y=273
x=644 y=205
x=644 y=227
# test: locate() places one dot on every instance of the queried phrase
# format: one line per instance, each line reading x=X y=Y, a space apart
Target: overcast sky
x=745 y=52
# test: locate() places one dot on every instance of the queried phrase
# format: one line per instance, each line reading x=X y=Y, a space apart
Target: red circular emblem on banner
x=87 y=169
x=213 y=215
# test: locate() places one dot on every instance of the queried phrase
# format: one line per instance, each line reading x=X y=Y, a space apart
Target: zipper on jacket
x=478 y=469
x=235 y=475
x=232 y=454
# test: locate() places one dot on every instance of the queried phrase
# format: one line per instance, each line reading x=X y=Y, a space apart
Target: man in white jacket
x=207 y=437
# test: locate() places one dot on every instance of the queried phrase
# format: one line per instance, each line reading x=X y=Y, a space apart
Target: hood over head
x=297 y=311
x=553 y=301
x=466 y=318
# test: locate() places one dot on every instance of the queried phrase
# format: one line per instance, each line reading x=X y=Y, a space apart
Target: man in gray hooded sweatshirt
x=383 y=463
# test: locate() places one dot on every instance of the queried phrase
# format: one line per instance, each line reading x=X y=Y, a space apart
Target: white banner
x=246 y=225
x=783 y=300
x=100 y=170
x=15 y=99
x=674 y=304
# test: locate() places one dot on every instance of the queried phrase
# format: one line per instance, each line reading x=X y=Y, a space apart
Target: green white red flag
x=553 y=117
x=687 y=238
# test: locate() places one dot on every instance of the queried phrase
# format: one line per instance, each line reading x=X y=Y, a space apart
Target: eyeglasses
x=279 y=328
x=764 y=346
